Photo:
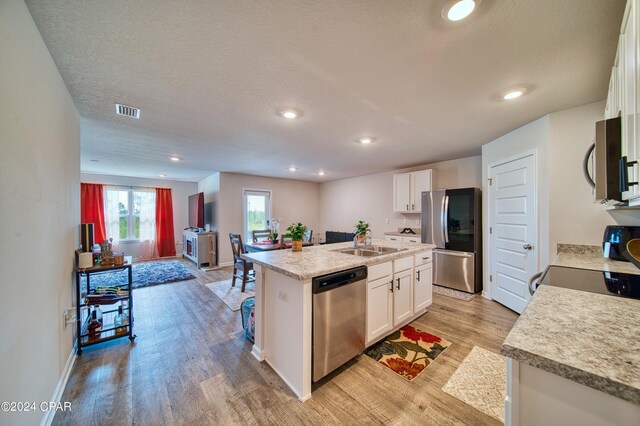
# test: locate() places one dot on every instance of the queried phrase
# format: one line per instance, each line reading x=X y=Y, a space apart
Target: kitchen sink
x=369 y=251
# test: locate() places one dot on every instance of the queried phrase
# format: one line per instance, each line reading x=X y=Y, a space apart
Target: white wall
x=180 y=192
x=292 y=200
x=575 y=216
x=370 y=198
x=39 y=214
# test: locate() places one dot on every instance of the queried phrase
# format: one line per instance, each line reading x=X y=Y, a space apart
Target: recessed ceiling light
x=290 y=113
x=163 y=175
x=513 y=94
x=174 y=158
x=292 y=169
x=366 y=140
x=321 y=173
x=457 y=10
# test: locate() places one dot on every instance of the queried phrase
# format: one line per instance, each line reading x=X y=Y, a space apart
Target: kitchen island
x=283 y=310
x=573 y=357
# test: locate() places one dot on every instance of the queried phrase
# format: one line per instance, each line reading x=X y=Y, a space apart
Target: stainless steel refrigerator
x=452 y=221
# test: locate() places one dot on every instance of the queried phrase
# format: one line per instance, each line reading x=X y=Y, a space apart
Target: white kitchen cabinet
x=629 y=83
x=538 y=397
x=402 y=292
x=408 y=188
x=379 y=301
x=422 y=287
x=379 y=308
x=402 y=192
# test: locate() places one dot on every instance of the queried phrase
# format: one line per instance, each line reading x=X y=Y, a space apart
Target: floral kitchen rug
x=408 y=351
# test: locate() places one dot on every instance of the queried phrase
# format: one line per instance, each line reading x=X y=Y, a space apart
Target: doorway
x=256 y=211
x=513 y=229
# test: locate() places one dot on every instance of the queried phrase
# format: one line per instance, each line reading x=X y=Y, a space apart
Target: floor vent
x=127 y=111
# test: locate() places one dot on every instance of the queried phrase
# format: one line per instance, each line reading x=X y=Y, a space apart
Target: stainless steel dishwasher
x=339 y=315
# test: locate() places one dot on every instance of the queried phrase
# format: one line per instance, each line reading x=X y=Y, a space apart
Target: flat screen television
x=196 y=210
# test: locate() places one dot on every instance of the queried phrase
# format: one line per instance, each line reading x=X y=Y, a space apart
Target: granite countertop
x=590 y=338
x=319 y=260
x=595 y=262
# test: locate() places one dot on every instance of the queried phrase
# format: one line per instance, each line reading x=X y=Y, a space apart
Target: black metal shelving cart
x=83 y=313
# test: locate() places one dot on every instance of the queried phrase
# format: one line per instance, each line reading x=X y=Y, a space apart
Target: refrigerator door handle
x=445 y=219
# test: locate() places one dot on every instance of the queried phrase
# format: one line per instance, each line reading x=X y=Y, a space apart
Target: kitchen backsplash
x=579 y=249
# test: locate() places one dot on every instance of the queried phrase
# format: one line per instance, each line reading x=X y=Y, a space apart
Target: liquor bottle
x=95 y=327
x=120 y=321
x=98 y=312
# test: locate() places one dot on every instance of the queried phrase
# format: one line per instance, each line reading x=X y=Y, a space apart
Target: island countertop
x=590 y=338
x=320 y=260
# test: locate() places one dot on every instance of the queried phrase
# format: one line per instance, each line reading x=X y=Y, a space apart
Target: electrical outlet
x=405 y=221
x=282 y=296
x=386 y=220
x=417 y=221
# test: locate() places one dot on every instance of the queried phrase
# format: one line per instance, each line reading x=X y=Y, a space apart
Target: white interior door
x=513 y=230
x=256 y=209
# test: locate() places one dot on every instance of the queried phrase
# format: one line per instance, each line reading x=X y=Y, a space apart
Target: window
x=123 y=210
x=256 y=209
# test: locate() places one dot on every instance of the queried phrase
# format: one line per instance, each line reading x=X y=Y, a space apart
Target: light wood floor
x=192 y=365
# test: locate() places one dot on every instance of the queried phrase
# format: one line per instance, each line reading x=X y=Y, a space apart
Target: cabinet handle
x=391 y=288
x=407 y=207
x=413 y=206
x=425 y=258
x=398 y=280
x=418 y=275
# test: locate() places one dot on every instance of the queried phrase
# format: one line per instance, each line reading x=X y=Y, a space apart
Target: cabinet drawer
x=392 y=238
x=379 y=271
x=411 y=239
x=403 y=264
x=422 y=258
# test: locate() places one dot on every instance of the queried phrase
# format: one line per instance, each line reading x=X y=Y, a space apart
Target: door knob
x=527 y=247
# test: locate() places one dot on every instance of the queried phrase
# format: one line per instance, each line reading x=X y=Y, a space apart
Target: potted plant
x=274 y=227
x=361 y=229
x=296 y=233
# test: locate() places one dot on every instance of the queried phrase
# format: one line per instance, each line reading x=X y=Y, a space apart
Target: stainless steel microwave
x=608 y=151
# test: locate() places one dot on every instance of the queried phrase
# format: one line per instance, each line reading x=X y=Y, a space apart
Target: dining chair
x=240 y=264
x=260 y=235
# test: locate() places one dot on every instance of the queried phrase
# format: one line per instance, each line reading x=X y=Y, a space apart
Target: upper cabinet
x=408 y=188
x=623 y=98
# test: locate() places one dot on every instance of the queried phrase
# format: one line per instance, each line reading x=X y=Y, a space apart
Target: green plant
x=362 y=227
x=296 y=232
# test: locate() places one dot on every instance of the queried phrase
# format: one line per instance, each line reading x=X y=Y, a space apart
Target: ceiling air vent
x=127 y=111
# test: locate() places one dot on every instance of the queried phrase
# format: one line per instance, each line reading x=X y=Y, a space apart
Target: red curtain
x=92 y=209
x=164 y=223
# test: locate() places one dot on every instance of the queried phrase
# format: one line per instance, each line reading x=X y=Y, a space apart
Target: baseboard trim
x=301 y=398
x=47 y=419
x=223 y=264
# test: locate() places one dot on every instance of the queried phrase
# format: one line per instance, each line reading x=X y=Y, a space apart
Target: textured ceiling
x=209 y=77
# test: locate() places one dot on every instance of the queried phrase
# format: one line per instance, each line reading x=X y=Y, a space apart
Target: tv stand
x=200 y=247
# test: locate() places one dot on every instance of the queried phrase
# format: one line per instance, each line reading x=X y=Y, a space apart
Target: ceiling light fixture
x=174 y=158
x=292 y=169
x=163 y=175
x=457 y=10
x=290 y=113
x=321 y=173
x=513 y=94
x=366 y=140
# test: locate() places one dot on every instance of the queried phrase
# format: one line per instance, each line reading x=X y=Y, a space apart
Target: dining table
x=261 y=246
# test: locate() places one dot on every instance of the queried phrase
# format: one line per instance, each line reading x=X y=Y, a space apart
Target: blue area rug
x=144 y=274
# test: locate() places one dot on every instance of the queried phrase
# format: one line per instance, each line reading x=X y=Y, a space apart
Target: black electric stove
x=609 y=283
